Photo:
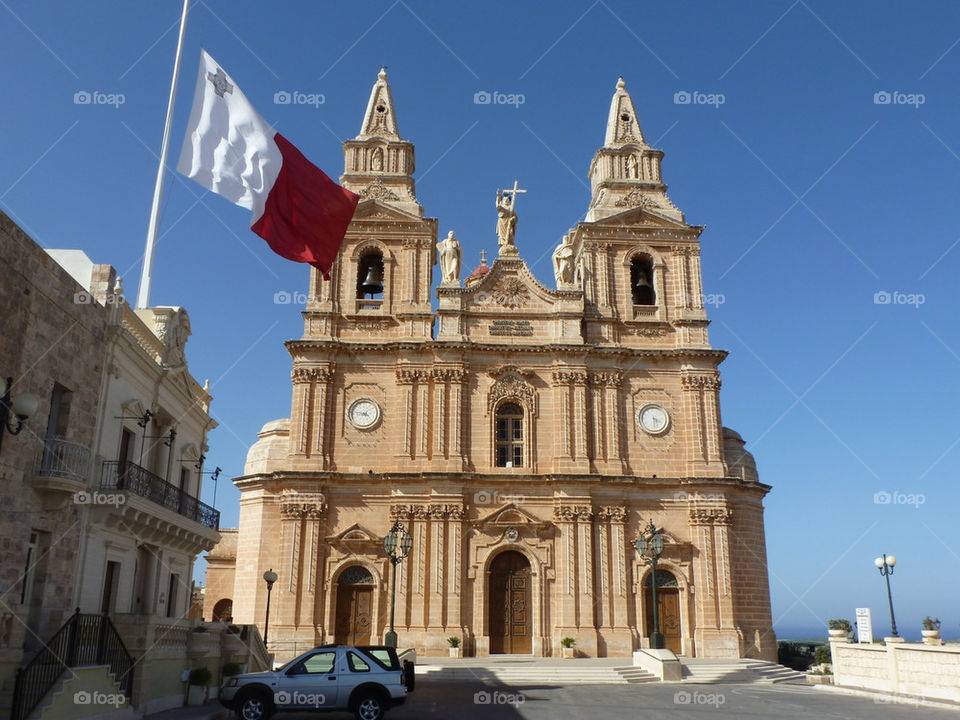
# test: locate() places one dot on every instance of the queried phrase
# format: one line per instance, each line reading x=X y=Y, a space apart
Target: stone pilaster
x=715 y=634
x=700 y=400
x=454 y=566
x=585 y=609
x=565 y=519
x=438 y=559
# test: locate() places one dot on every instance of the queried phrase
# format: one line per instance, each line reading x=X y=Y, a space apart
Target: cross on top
x=513 y=194
x=483 y=257
x=220 y=83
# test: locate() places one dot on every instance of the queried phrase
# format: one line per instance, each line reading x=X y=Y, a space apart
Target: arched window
x=641 y=281
x=370 y=275
x=223 y=610
x=355 y=575
x=509 y=435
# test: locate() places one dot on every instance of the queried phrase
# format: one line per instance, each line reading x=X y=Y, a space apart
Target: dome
x=271 y=446
x=740 y=463
x=478 y=273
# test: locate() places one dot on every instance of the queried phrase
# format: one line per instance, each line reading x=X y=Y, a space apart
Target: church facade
x=523 y=435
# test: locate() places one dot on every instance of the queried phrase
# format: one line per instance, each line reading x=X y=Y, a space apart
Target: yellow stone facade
x=523 y=435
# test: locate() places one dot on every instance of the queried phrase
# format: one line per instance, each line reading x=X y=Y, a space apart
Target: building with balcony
x=100 y=490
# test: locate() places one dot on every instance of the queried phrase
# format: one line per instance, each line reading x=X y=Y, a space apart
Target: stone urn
x=931 y=637
x=456 y=652
x=567 y=652
x=838 y=634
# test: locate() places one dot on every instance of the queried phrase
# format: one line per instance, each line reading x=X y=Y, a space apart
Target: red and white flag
x=231 y=150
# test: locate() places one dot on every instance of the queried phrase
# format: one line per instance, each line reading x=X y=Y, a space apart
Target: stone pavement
x=210 y=710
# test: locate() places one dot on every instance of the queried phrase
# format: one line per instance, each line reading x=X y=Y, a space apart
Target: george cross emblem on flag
x=220 y=84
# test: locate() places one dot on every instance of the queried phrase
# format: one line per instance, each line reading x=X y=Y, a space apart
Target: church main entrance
x=511 y=625
x=354 y=607
x=668 y=609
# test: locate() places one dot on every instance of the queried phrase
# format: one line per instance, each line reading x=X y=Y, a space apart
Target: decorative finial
x=483 y=257
x=382 y=75
x=621 y=84
x=206 y=386
x=118 y=286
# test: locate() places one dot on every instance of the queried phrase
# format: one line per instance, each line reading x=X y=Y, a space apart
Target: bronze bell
x=373 y=283
x=642 y=281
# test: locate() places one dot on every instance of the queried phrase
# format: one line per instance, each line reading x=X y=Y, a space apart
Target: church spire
x=622 y=124
x=625 y=172
x=380 y=120
x=378 y=164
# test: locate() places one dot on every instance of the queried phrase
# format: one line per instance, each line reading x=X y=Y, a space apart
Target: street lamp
x=885 y=566
x=22 y=406
x=270 y=577
x=650 y=547
x=397 y=544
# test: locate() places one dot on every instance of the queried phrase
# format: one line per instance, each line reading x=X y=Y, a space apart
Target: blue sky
x=815 y=193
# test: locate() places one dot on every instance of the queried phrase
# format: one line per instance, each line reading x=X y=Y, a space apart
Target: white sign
x=864 y=626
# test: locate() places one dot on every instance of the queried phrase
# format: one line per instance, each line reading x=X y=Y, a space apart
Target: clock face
x=363 y=414
x=653 y=419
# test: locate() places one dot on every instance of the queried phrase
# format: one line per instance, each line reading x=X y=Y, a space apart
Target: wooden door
x=511 y=624
x=668 y=616
x=354 y=611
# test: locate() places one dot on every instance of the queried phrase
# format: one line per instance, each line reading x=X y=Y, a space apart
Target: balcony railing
x=133 y=478
x=64 y=458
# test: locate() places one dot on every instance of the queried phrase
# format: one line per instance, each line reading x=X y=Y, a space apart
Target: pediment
x=510 y=287
x=510 y=515
x=645 y=215
x=356 y=534
x=376 y=209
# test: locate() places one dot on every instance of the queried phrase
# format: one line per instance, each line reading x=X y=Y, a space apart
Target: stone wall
x=54 y=337
x=915 y=669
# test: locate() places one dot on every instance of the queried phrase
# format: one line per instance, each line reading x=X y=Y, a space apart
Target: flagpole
x=146 y=275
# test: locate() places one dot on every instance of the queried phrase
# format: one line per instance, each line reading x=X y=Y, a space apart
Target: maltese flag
x=231 y=150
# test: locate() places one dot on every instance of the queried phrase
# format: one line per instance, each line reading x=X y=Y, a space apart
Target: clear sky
x=816 y=195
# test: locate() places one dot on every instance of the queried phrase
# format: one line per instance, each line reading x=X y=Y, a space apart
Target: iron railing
x=85 y=639
x=64 y=458
x=129 y=476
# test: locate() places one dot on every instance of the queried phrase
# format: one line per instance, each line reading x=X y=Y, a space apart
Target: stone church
x=523 y=435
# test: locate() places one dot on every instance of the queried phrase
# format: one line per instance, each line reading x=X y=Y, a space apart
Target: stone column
x=585 y=613
x=438 y=558
x=579 y=417
x=322 y=418
x=683 y=274
x=406 y=379
x=619 y=590
x=701 y=405
x=300 y=411
x=715 y=634
x=418 y=560
x=441 y=386
x=563 y=442
x=404 y=514
x=458 y=391
x=454 y=565
x=566 y=588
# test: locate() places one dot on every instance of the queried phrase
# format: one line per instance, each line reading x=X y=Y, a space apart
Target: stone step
x=533 y=674
x=738 y=671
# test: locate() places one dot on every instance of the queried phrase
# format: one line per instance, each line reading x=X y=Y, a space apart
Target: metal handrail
x=64 y=458
x=129 y=476
x=85 y=639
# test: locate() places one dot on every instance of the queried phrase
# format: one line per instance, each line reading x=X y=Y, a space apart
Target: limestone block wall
x=930 y=672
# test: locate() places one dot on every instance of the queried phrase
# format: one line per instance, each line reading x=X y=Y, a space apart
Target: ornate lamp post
x=650 y=547
x=270 y=577
x=22 y=406
x=397 y=544
x=885 y=566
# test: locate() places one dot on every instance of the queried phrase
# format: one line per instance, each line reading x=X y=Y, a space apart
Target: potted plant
x=568 y=646
x=199 y=685
x=455 y=650
x=931 y=630
x=839 y=628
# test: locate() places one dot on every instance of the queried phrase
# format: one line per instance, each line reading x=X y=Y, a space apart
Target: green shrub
x=840 y=625
x=568 y=642
x=930 y=623
x=200 y=676
x=453 y=641
x=231 y=668
x=822 y=655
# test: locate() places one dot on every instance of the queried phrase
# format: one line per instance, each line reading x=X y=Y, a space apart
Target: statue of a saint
x=564 y=262
x=633 y=167
x=506 y=220
x=449 y=251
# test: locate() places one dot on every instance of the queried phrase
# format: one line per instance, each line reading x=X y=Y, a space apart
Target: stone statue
x=564 y=262
x=633 y=168
x=506 y=221
x=449 y=251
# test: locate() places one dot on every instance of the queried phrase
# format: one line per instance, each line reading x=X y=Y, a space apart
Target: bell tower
x=380 y=283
